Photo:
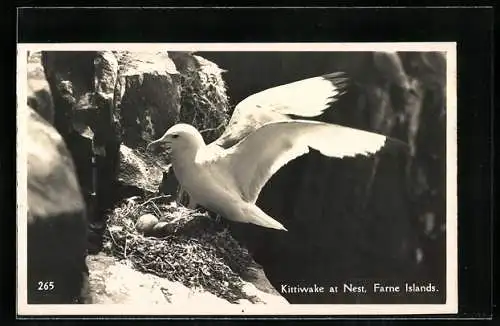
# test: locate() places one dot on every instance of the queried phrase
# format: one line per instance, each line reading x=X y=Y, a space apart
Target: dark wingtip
x=396 y=141
x=395 y=145
x=339 y=79
x=337 y=74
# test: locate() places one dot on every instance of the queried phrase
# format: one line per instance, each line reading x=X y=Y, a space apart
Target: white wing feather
x=304 y=98
x=256 y=158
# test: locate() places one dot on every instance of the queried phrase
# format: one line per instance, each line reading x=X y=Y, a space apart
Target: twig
x=172 y=266
x=125 y=249
x=157 y=209
x=111 y=235
x=155 y=198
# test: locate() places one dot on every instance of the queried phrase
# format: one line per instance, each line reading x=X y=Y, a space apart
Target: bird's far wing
x=256 y=158
x=304 y=98
x=307 y=98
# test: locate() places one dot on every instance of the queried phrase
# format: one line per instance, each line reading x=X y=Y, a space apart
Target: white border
x=451 y=305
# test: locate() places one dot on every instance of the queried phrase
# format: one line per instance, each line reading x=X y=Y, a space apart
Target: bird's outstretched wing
x=303 y=98
x=256 y=158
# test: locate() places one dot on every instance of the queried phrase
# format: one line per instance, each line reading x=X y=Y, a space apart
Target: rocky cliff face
x=115 y=282
x=116 y=102
x=108 y=106
x=56 y=217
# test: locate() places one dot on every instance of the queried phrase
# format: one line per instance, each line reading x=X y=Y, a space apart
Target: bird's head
x=180 y=139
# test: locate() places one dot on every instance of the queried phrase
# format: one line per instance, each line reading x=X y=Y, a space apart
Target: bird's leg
x=216 y=217
x=180 y=195
x=180 y=199
x=191 y=204
x=184 y=199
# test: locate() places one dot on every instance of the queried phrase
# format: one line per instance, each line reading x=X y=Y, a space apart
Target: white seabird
x=227 y=175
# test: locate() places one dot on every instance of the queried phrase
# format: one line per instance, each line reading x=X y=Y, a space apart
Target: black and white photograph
x=236 y=179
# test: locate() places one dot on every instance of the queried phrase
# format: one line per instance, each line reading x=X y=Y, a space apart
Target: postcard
x=208 y=179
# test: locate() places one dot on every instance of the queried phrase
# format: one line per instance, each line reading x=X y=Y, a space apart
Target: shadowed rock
x=57 y=272
x=39 y=97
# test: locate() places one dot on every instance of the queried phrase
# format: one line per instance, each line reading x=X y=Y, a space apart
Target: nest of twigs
x=204 y=101
x=192 y=248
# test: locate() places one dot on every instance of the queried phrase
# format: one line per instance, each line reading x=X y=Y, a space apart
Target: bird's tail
x=256 y=216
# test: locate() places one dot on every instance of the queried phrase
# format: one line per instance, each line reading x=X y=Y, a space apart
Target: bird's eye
x=175 y=136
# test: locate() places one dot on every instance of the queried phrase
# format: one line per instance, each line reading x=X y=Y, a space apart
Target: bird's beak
x=157 y=143
x=153 y=145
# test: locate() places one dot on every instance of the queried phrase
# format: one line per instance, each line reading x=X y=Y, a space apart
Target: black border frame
x=471 y=28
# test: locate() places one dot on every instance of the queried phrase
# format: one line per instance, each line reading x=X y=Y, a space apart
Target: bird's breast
x=205 y=182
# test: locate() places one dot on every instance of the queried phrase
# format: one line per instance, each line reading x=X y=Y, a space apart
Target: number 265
x=45 y=286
